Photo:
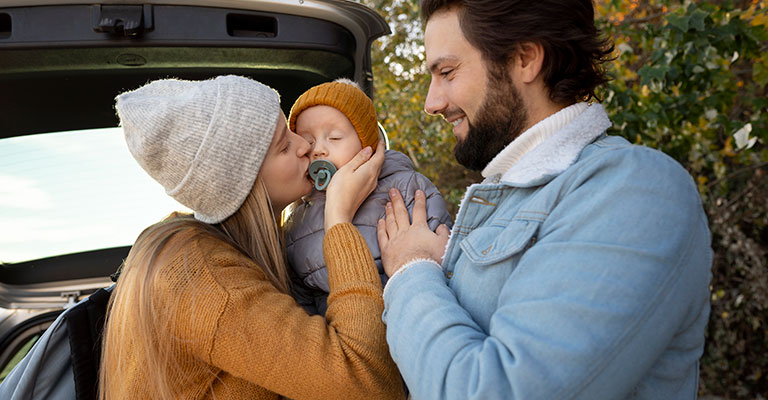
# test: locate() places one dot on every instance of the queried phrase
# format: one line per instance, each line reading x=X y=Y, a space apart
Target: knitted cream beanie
x=204 y=141
x=345 y=96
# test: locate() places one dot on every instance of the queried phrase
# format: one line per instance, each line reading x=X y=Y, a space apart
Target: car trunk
x=61 y=66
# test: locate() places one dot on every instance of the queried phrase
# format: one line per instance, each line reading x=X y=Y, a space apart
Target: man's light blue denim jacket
x=581 y=273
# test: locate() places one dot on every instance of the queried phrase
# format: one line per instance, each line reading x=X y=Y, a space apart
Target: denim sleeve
x=617 y=283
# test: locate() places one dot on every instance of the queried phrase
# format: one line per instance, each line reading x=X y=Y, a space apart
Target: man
x=580 y=267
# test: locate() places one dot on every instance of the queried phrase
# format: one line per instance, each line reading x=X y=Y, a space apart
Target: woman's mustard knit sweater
x=237 y=337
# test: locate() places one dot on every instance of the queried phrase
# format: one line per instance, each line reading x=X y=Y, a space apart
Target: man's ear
x=527 y=61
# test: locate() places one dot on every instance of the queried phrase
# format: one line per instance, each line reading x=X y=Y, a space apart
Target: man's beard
x=502 y=118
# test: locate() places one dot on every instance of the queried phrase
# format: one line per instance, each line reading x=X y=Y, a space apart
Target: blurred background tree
x=690 y=79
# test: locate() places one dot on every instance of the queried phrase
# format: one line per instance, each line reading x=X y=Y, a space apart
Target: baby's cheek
x=338 y=163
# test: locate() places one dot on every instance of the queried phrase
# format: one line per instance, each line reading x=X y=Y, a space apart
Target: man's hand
x=402 y=241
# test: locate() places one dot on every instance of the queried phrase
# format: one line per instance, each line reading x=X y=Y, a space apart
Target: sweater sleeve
x=264 y=337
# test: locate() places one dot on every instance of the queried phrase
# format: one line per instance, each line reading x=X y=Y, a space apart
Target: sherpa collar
x=549 y=147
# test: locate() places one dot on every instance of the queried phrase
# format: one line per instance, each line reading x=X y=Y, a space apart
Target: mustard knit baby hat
x=345 y=96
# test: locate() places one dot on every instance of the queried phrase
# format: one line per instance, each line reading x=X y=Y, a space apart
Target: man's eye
x=446 y=72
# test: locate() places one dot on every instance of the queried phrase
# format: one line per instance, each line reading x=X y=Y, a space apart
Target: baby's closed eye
x=309 y=139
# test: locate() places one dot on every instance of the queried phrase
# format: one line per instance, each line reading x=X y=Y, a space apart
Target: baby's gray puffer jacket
x=304 y=228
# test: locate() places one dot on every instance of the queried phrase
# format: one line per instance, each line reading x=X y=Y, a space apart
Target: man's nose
x=435 y=102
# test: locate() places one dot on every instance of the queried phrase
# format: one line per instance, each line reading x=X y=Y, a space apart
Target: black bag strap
x=85 y=325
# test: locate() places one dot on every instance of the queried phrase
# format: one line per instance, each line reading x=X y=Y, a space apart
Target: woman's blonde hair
x=134 y=328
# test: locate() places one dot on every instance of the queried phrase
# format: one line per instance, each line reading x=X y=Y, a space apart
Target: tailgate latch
x=122 y=20
x=71 y=297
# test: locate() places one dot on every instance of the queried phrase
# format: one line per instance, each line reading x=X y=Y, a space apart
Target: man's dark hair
x=574 y=51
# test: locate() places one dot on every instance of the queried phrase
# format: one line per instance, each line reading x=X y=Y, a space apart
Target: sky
x=73 y=191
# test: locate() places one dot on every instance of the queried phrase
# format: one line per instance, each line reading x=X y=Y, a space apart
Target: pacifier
x=321 y=171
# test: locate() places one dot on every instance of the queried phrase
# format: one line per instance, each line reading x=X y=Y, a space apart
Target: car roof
x=304 y=43
x=361 y=20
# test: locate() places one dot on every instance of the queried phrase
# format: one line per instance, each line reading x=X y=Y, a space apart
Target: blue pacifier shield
x=321 y=172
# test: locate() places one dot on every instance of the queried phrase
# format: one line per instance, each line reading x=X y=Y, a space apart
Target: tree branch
x=737 y=172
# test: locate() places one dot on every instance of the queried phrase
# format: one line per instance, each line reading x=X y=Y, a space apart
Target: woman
x=203 y=306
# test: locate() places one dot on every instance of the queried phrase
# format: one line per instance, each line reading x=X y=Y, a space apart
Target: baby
x=338 y=120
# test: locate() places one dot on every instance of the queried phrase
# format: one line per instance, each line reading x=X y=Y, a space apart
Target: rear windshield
x=74 y=191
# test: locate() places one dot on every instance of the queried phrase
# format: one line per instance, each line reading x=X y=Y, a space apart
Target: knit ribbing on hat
x=203 y=141
x=345 y=96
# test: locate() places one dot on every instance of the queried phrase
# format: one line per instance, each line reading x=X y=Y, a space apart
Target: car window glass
x=68 y=192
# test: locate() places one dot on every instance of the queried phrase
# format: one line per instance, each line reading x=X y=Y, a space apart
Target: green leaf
x=697 y=19
x=644 y=73
x=649 y=73
x=760 y=73
x=679 y=21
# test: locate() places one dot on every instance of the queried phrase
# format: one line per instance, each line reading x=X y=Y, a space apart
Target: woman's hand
x=351 y=185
